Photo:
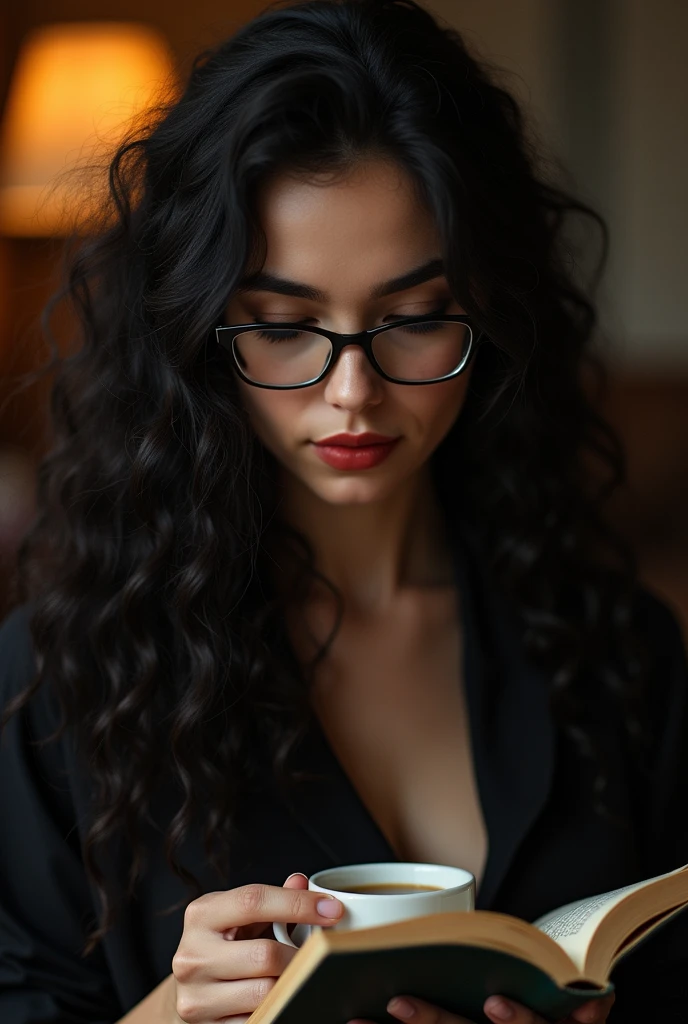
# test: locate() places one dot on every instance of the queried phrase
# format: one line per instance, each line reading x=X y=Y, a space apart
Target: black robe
x=547 y=846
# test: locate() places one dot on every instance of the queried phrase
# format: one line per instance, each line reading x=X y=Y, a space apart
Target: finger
x=297 y=880
x=505 y=1011
x=253 y=903
x=250 y=958
x=225 y=999
x=594 y=1012
x=419 y=1012
x=502 y=1010
x=259 y=930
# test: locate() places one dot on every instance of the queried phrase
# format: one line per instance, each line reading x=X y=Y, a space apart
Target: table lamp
x=75 y=88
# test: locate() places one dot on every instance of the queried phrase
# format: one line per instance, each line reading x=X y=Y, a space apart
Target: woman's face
x=342 y=241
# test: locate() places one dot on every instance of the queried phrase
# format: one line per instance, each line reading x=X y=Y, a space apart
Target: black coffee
x=390 y=888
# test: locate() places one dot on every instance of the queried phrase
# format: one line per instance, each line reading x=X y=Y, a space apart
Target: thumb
x=297 y=880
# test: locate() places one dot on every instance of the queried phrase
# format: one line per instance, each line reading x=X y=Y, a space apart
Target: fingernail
x=296 y=874
x=499 y=1009
x=401 y=1007
x=586 y=1014
x=329 y=907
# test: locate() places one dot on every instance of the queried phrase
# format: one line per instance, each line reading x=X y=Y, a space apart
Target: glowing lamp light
x=75 y=88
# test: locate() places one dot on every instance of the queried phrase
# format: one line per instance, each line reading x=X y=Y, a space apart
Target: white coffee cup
x=448 y=889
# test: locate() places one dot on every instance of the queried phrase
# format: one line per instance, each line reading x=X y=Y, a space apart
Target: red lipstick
x=355 y=451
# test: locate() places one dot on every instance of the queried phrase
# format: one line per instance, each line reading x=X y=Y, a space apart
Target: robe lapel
x=329 y=809
x=512 y=730
x=512 y=738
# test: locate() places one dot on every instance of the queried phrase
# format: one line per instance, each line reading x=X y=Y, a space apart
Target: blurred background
x=604 y=84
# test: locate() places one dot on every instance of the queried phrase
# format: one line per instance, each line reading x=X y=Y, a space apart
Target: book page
x=573 y=925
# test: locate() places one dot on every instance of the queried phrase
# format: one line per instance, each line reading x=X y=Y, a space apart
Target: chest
x=390 y=699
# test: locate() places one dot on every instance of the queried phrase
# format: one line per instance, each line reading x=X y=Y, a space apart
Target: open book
x=456 y=960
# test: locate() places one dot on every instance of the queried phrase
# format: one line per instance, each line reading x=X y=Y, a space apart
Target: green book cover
x=457 y=978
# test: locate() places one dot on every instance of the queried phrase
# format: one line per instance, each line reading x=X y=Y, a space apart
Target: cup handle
x=282 y=935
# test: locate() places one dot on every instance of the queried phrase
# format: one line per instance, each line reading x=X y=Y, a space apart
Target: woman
x=298 y=599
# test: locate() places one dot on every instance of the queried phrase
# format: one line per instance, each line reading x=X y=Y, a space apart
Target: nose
x=353 y=383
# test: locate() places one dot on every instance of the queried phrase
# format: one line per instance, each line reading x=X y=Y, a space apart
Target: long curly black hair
x=145 y=568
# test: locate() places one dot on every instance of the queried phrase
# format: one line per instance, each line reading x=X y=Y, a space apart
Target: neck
x=374 y=551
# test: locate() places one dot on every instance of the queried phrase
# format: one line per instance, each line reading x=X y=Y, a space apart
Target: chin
x=353 y=489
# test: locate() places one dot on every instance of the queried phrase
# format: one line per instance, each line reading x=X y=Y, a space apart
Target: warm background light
x=75 y=88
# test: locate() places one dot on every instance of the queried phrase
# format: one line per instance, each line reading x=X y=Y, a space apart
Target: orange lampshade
x=75 y=88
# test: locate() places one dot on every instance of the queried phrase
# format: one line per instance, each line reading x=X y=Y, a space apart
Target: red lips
x=355 y=451
x=355 y=440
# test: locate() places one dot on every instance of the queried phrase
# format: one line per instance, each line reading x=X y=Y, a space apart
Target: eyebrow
x=264 y=282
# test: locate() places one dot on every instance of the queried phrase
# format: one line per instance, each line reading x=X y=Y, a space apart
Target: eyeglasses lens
x=415 y=352
x=282 y=356
x=423 y=351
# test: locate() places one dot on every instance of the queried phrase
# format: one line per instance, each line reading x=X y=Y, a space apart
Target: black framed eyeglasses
x=412 y=350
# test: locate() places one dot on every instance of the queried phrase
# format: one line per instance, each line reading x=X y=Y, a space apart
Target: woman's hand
x=498 y=1009
x=227 y=960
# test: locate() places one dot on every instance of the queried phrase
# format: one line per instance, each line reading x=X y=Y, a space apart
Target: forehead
x=342 y=235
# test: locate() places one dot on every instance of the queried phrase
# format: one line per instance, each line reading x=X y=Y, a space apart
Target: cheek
x=274 y=415
x=436 y=407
